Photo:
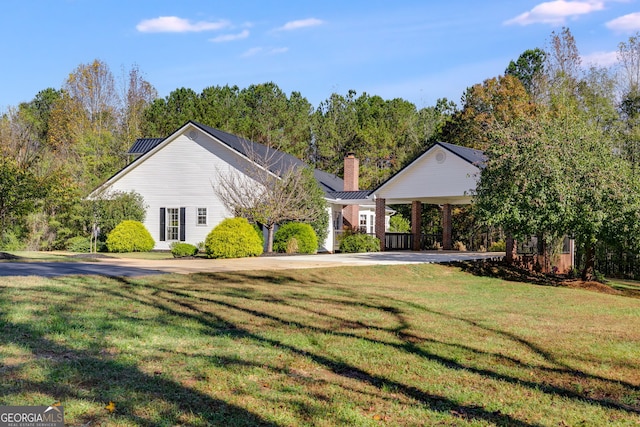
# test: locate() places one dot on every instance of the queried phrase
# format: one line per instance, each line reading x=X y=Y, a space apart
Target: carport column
x=446 y=227
x=416 y=223
x=380 y=221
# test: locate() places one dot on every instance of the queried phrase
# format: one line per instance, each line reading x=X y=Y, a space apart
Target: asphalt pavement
x=128 y=267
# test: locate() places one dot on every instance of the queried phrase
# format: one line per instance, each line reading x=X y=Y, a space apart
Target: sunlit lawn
x=402 y=345
x=64 y=256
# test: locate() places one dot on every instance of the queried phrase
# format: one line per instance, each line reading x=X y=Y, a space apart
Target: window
x=202 y=216
x=173 y=223
x=363 y=223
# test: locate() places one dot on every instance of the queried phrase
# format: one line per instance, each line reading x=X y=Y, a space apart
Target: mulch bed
x=592 y=286
x=502 y=270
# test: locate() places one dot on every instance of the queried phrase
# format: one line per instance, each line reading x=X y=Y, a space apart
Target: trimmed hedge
x=130 y=236
x=354 y=243
x=306 y=241
x=181 y=250
x=233 y=238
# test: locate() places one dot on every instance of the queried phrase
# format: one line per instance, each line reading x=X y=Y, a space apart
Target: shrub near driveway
x=130 y=236
x=306 y=241
x=181 y=250
x=359 y=242
x=233 y=238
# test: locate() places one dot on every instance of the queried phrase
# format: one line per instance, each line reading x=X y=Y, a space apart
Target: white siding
x=181 y=174
x=427 y=178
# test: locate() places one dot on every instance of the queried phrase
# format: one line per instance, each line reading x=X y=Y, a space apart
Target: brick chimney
x=351 y=213
x=351 y=172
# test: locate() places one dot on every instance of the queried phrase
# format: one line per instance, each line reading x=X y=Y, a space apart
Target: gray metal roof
x=350 y=195
x=142 y=145
x=473 y=156
x=278 y=161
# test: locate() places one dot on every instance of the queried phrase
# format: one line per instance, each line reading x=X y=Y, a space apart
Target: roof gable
x=444 y=173
x=277 y=161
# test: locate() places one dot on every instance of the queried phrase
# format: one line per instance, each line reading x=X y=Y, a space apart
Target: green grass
x=34 y=256
x=64 y=256
x=154 y=255
x=367 y=346
x=632 y=286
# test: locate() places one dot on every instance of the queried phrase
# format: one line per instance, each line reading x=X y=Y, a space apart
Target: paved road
x=52 y=269
x=127 y=267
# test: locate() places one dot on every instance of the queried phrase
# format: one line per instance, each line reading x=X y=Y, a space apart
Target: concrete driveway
x=127 y=267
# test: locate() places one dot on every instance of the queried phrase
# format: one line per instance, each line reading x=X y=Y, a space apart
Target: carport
x=444 y=175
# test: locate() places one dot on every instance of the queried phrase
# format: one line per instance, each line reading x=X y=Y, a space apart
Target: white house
x=176 y=176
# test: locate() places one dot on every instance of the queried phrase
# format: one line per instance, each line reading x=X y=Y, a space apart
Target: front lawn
x=386 y=345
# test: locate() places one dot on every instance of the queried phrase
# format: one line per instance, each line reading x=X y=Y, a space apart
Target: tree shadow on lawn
x=341 y=368
x=110 y=380
x=411 y=344
x=553 y=380
x=81 y=374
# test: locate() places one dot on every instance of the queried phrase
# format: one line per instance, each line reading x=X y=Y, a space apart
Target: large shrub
x=181 y=250
x=353 y=243
x=79 y=244
x=233 y=238
x=304 y=235
x=111 y=209
x=130 y=236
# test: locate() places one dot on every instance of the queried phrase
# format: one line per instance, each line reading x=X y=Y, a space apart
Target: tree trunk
x=589 y=262
x=270 y=238
x=511 y=249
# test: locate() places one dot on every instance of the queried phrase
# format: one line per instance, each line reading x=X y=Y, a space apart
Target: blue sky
x=417 y=50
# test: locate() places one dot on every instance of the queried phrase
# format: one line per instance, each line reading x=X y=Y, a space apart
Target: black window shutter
x=182 y=224
x=163 y=228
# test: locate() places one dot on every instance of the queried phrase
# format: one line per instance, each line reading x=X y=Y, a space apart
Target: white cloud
x=301 y=23
x=278 y=50
x=627 y=23
x=173 y=24
x=252 y=52
x=602 y=59
x=230 y=37
x=556 y=12
x=264 y=51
